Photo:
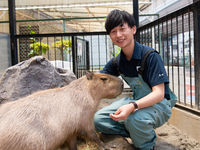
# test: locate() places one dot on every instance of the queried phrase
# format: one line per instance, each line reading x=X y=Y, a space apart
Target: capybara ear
x=89 y=75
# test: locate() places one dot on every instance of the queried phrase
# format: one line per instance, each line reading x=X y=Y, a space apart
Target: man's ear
x=89 y=75
x=134 y=30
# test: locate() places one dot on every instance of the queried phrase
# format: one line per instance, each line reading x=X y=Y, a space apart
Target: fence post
x=87 y=56
x=197 y=52
x=12 y=27
x=136 y=16
x=74 y=58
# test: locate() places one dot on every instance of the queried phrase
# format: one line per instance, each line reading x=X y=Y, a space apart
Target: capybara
x=47 y=119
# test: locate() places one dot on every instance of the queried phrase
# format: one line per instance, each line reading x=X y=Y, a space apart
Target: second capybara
x=47 y=119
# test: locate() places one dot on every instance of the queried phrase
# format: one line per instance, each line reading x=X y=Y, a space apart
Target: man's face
x=122 y=35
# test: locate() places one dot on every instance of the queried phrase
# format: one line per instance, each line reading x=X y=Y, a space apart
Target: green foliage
x=63 y=45
x=38 y=48
x=29 y=28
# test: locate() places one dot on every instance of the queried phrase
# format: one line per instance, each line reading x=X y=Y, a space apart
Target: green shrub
x=38 y=48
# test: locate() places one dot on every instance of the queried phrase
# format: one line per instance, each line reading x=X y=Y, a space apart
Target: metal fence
x=173 y=36
x=75 y=51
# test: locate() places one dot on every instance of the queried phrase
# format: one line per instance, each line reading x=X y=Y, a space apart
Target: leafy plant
x=38 y=48
x=29 y=28
x=63 y=45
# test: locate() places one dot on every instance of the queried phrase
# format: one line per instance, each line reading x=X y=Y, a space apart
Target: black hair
x=118 y=17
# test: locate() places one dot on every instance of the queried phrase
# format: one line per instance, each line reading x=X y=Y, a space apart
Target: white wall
x=5 y=55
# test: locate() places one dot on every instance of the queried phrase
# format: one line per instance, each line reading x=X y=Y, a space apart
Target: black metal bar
x=191 y=104
x=48 y=55
x=154 y=36
x=177 y=42
x=26 y=43
x=172 y=51
x=183 y=58
x=99 y=53
x=84 y=54
x=74 y=55
x=69 y=55
x=146 y=30
x=151 y=37
x=91 y=53
x=141 y=37
x=136 y=12
x=136 y=16
x=167 y=38
x=55 y=50
x=87 y=56
x=148 y=35
x=106 y=43
x=159 y=44
x=62 y=51
x=61 y=34
x=196 y=12
x=40 y=52
x=12 y=27
x=162 y=39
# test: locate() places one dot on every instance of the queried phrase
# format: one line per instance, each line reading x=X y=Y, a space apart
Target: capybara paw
x=105 y=148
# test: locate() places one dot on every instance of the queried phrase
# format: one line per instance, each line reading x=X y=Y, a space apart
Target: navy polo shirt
x=154 y=71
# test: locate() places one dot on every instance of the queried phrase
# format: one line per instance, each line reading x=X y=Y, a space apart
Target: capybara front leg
x=72 y=143
x=92 y=135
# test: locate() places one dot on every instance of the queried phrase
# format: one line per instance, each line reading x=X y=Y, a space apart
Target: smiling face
x=122 y=35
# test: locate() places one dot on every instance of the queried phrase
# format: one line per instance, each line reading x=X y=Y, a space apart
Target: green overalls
x=139 y=125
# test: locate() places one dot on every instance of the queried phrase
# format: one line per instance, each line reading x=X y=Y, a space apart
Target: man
x=150 y=106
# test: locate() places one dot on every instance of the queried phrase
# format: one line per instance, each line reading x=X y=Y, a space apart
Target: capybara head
x=104 y=85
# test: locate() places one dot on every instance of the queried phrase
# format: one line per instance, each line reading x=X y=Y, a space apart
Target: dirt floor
x=169 y=138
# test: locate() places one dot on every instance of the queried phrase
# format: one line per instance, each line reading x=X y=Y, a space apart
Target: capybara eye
x=103 y=79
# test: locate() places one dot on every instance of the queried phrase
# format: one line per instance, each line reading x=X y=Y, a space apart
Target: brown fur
x=47 y=119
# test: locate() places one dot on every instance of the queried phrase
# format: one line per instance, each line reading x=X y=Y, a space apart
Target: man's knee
x=140 y=120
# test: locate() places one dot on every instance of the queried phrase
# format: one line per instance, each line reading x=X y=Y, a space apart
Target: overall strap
x=141 y=69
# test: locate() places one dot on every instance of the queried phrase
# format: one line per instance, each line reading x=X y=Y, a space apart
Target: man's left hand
x=123 y=112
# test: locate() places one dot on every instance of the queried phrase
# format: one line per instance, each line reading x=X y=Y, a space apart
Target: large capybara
x=47 y=119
